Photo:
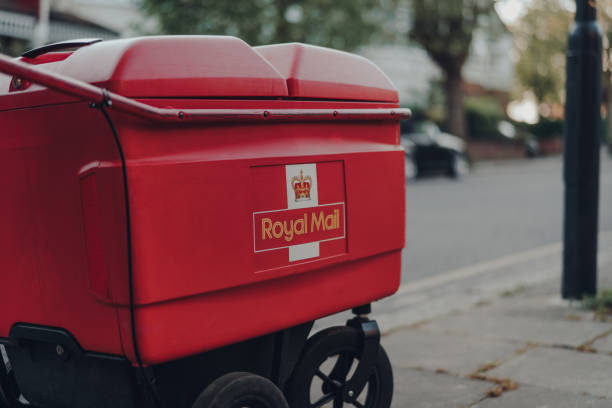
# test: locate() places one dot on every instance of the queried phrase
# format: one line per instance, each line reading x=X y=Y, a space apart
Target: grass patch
x=600 y=304
x=482 y=303
x=525 y=349
x=511 y=292
x=502 y=384
x=488 y=367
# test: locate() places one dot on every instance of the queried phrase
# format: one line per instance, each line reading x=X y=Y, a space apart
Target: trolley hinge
x=367 y=360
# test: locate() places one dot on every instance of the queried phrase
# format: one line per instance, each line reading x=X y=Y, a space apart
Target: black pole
x=581 y=153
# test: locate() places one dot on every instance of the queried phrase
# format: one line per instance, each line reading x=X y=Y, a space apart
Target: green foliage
x=342 y=24
x=418 y=114
x=603 y=299
x=445 y=29
x=605 y=22
x=601 y=304
x=12 y=46
x=514 y=291
x=547 y=129
x=541 y=40
x=483 y=116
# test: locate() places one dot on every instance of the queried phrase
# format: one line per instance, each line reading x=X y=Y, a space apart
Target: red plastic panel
x=207 y=66
x=93 y=237
x=193 y=190
x=47 y=58
x=299 y=212
x=176 y=66
x=193 y=197
x=171 y=66
x=245 y=169
x=176 y=329
x=281 y=229
x=323 y=73
x=34 y=95
x=45 y=260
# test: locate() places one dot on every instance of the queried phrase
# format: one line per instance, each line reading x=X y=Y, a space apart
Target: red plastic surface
x=323 y=73
x=185 y=66
x=264 y=308
x=75 y=88
x=45 y=275
x=193 y=193
x=47 y=58
x=198 y=197
x=177 y=67
x=207 y=66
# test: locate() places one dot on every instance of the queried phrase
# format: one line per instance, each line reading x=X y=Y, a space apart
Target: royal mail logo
x=286 y=228
x=304 y=224
x=301 y=186
x=290 y=229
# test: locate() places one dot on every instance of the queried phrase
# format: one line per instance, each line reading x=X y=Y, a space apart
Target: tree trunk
x=455 y=109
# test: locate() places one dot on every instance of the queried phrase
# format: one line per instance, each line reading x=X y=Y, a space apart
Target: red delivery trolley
x=176 y=213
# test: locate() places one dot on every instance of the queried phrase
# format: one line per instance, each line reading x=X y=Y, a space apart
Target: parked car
x=429 y=150
x=532 y=147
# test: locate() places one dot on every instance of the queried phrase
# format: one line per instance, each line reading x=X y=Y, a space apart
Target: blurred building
x=489 y=70
x=124 y=17
x=29 y=23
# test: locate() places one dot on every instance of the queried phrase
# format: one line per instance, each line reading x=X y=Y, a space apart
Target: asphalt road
x=499 y=209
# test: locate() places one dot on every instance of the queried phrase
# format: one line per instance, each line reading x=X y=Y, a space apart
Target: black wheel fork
x=9 y=392
x=348 y=391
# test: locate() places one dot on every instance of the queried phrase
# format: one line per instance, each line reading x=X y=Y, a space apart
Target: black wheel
x=3 y=401
x=459 y=166
x=241 y=390
x=328 y=361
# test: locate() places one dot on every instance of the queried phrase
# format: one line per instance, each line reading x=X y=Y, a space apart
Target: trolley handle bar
x=100 y=96
x=59 y=46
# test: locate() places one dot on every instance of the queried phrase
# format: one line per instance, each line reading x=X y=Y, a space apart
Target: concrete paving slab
x=423 y=389
x=604 y=345
x=537 y=397
x=433 y=351
x=551 y=307
x=563 y=370
x=495 y=323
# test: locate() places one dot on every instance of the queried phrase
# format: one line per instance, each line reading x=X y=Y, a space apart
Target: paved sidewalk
x=519 y=347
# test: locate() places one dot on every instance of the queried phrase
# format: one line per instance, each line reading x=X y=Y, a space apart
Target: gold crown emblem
x=301 y=186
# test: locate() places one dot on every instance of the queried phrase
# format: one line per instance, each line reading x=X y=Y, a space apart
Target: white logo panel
x=298 y=173
x=304 y=177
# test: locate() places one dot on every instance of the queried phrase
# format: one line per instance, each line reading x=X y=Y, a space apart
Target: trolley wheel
x=241 y=390
x=327 y=363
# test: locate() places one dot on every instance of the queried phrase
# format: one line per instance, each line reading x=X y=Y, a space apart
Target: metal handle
x=59 y=46
x=99 y=96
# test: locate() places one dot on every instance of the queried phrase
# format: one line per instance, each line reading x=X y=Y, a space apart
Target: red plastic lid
x=176 y=66
x=213 y=67
x=323 y=73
